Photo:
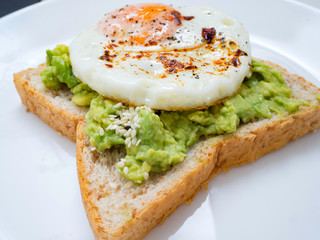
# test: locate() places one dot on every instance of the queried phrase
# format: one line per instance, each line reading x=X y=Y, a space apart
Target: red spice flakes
x=188 y=18
x=240 y=53
x=106 y=56
x=163 y=76
x=208 y=34
x=109 y=65
x=112 y=46
x=177 y=17
x=166 y=53
x=218 y=62
x=172 y=65
x=151 y=42
x=139 y=56
x=190 y=67
x=235 y=62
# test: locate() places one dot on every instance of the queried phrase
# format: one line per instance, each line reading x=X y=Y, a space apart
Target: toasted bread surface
x=54 y=107
x=119 y=209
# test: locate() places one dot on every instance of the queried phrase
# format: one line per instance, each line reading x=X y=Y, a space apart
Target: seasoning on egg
x=208 y=34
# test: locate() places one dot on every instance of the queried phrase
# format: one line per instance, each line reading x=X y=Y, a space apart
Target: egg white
x=137 y=76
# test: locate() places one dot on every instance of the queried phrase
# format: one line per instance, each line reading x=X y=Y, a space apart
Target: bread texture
x=119 y=209
x=54 y=107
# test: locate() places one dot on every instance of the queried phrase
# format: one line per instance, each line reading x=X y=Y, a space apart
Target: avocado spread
x=157 y=140
x=164 y=136
x=58 y=72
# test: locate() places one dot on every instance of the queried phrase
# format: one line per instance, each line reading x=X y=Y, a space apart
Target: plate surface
x=277 y=197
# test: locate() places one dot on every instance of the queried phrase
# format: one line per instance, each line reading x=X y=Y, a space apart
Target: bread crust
x=212 y=156
x=38 y=102
x=154 y=212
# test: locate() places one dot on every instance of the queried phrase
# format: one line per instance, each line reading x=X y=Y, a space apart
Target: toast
x=119 y=209
x=53 y=107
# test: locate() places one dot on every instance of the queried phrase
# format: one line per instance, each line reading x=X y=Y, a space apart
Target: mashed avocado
x=58 y=72
x=157 y=149
x=83 y=94
x=157 y=140
x=164 y=136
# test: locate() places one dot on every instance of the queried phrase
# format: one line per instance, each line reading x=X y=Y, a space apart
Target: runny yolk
x=142 y=24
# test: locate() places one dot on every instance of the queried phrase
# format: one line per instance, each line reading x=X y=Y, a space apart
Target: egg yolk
x=142 y=24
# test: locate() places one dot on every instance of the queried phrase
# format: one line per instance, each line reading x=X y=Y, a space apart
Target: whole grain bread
x=143 y=207
x=119 y=209
x=54 y=107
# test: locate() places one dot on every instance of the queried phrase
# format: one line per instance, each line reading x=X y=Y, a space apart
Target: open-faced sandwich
x=163 y=98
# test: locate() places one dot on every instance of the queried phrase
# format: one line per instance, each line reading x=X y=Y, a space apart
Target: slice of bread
x=119 y=209
x=143 y=207
x=53 y=107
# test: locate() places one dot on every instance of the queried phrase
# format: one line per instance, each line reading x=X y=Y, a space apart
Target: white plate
x=277 y=197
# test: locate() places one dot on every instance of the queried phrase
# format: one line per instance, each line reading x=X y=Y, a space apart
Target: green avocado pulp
x=58 y=72
x=164 y=136
x=157 y=140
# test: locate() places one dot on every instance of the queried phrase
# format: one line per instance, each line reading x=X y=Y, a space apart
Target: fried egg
x=164 y=57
